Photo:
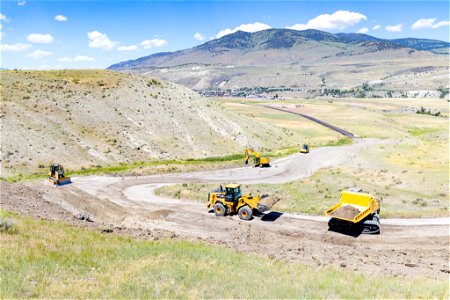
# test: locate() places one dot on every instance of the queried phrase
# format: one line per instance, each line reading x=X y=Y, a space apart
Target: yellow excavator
x=56 y=175
x=259 y=161
x=230 y=200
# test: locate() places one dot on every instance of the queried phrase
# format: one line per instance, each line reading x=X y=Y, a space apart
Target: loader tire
x=245 y=213
x=219 y=210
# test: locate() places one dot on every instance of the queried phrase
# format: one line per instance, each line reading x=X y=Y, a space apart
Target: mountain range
x=308 y=59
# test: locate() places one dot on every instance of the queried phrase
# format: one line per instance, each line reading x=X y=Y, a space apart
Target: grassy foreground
x=43 y=259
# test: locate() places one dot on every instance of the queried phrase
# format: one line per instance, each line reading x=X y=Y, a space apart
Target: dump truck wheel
x=219 y=210
x=245 y=213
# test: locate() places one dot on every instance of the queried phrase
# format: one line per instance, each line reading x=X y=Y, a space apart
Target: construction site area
x=343 y=187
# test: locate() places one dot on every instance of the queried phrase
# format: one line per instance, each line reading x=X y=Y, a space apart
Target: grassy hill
x=87 y=118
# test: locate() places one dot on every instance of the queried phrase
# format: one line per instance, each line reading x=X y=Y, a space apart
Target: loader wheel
x=245 y=213
x=219 y=210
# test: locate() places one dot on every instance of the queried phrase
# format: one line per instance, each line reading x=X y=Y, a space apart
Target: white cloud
x=83 y=58
x=14 y=47
x=394 y=28
x=339 y=20
x=100 y=40
x=128 y=48
x=363 y=30
x=39 y=54
x=76 y=58
x=198 y=36
x=40 y=38
x=61 y=18
x=147 y=44
x=21 y=2
x=429 y=23
x=252 y=27
x=3 y=18
x=376 y=27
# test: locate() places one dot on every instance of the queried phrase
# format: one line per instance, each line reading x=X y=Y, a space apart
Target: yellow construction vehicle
x=356 y=211
x=258 y=160
x=305 y=149
x=230 y=200
x=56 y=175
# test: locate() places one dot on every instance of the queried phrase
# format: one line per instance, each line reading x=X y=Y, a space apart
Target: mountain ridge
x=282 y=39
x=306 y=62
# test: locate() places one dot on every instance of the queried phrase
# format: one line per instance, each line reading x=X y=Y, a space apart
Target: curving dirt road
x=405 y=247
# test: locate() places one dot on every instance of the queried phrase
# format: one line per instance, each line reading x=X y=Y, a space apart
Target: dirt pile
x=346 y=212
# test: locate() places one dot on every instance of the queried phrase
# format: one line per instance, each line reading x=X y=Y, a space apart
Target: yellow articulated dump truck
x=356 y=211
x=229 y=200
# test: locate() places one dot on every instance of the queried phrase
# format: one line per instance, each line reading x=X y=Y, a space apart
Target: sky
x=97 y=34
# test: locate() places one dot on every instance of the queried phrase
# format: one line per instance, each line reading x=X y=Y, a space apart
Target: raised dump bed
x=355 y=210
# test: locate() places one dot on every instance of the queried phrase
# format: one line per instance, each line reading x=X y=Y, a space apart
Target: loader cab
x=232 y=192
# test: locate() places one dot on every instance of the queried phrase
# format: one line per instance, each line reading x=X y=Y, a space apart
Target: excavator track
x=367 y=226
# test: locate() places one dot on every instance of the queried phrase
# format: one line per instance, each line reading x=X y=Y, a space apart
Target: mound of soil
x=346 y=212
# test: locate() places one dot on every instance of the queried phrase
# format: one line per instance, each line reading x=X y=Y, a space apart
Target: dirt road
x=405 y=247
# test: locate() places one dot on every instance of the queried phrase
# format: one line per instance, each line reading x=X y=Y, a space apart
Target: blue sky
x=96 y=34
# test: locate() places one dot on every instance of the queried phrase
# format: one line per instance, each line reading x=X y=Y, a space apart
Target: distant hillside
x=422 y=44
x=87 y=118
x=300 y=60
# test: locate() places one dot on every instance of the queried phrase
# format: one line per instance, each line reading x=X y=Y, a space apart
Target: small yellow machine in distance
x=56 y=175
x=259 y=161
x=305 y=149
x=229 y=200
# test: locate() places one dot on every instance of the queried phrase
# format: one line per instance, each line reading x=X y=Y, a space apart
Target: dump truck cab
x=230 y=200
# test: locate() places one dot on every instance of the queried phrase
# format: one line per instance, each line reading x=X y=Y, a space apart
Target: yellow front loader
x=229 y=200
x=259 y=161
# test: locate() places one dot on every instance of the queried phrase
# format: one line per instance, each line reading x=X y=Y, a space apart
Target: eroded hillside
x=86 y=118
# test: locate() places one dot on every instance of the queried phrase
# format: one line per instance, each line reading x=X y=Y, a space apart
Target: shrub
x=7 y=226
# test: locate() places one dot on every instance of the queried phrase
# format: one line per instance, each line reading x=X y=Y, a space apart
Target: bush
x=7 y=226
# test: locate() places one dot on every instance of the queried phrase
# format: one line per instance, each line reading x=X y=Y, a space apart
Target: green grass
x=153 y=166
x=51 y=260
x=417 y=131
x=341 y=142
